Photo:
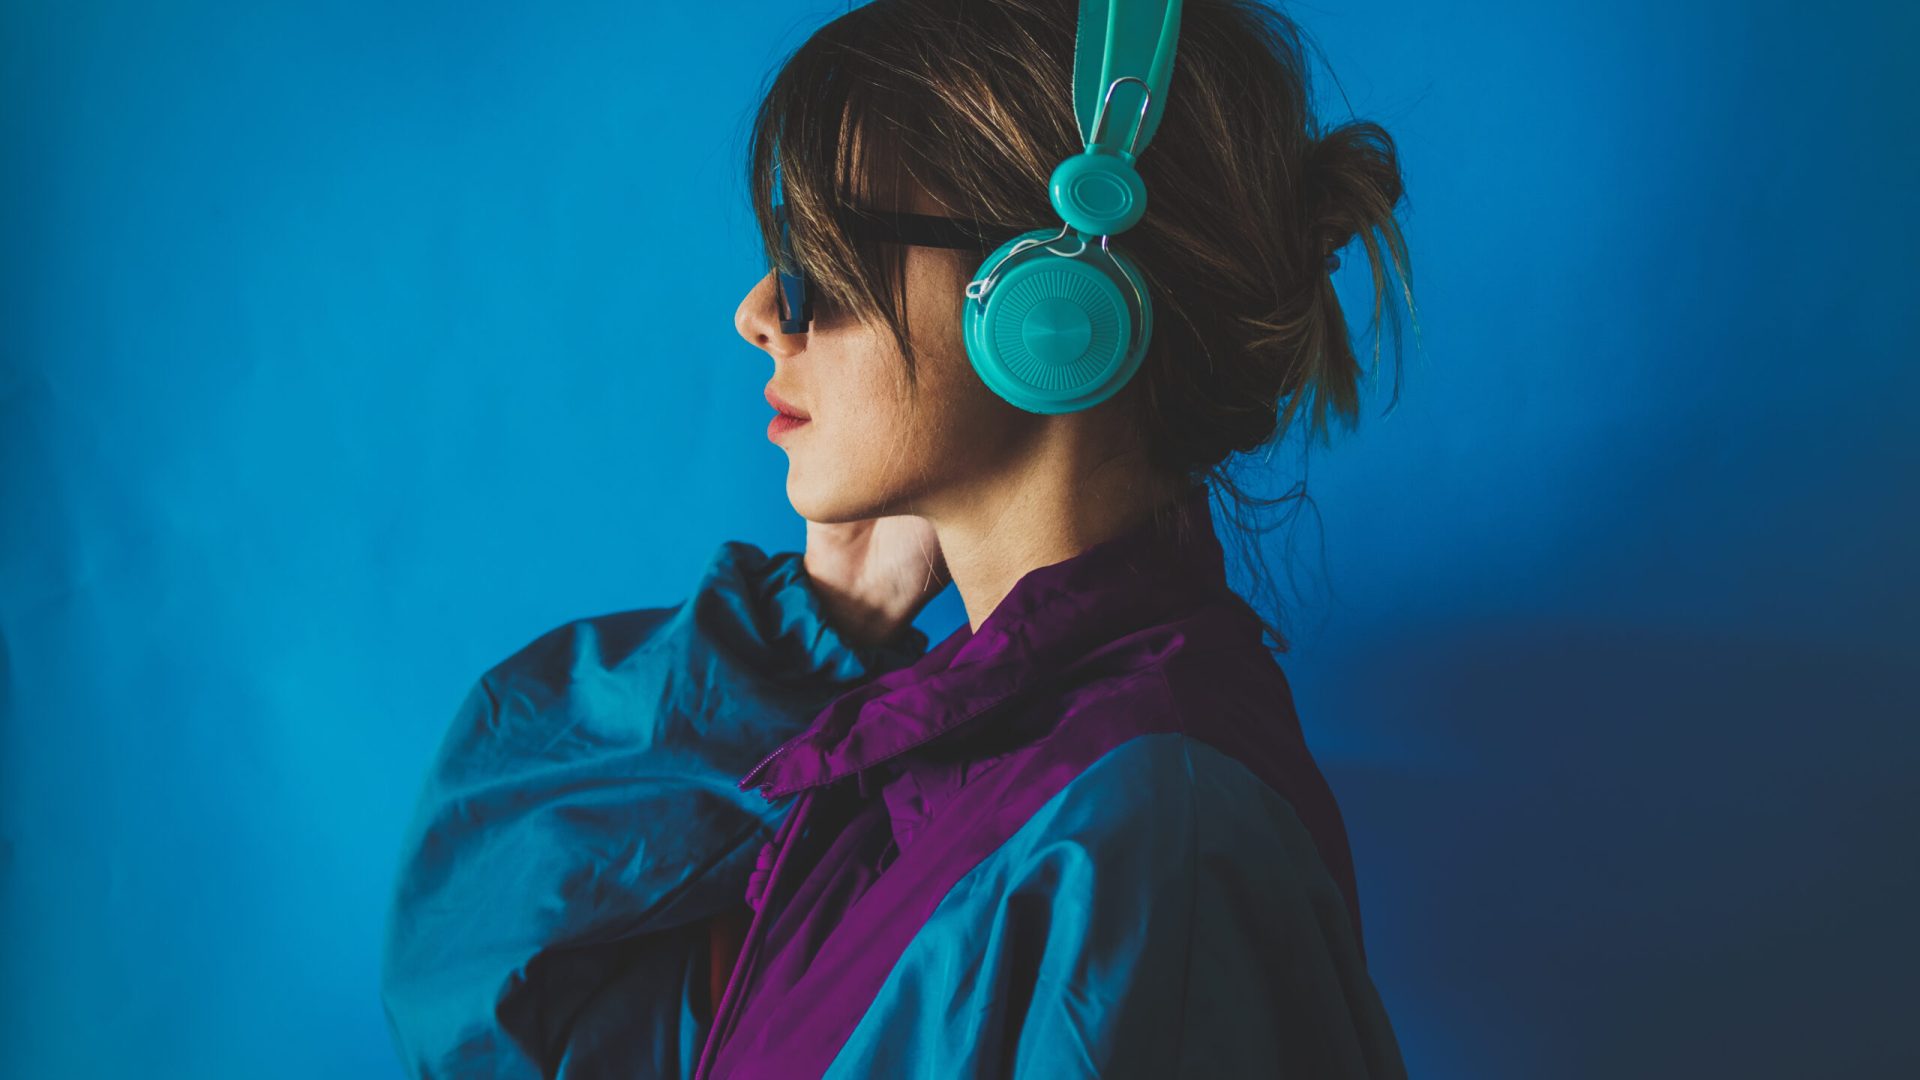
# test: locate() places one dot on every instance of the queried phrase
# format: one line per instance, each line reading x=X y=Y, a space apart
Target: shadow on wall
x=1661 y=856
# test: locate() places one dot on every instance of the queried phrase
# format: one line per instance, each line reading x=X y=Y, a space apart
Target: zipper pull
x=748 y=780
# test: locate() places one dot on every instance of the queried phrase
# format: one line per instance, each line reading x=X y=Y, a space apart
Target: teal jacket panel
x=1164 y=915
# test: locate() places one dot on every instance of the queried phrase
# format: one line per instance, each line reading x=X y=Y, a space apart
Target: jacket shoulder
x=1165 y=881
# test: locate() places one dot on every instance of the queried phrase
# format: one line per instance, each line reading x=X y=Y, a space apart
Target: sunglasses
x=796 y=291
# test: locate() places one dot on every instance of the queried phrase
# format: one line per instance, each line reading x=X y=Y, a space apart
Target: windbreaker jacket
x=1086 y=839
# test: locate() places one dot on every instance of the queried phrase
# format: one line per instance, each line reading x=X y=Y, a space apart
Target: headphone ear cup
x=1057 y=332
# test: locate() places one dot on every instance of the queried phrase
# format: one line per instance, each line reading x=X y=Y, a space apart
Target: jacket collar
x=1054 y=617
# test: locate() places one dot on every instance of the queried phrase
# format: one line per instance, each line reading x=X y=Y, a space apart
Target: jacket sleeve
x=581 y=821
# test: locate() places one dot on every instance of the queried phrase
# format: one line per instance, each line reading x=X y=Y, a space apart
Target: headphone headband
x=1137 y=43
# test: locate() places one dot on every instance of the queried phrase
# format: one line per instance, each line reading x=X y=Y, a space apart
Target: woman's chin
x=806 y=498
x=825 y=505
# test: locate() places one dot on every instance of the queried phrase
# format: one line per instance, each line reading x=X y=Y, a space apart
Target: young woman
x=768 y=832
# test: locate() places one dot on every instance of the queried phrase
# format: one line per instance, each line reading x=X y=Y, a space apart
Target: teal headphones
x=1058 y=321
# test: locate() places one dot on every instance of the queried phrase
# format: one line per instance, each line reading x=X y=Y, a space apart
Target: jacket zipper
x=747 y=780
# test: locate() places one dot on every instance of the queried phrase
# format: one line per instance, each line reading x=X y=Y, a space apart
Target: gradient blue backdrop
x=349 y=346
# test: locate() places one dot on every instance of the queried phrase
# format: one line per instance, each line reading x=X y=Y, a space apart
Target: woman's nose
x=758 y=319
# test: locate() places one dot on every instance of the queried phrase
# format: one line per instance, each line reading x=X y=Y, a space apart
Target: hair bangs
x=827 y=140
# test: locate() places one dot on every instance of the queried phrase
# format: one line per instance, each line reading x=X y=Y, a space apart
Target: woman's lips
x=788 y=417
x=781 y=406
x=782 y=424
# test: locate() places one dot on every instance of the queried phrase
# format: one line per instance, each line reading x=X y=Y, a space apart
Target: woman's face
x=871 y=446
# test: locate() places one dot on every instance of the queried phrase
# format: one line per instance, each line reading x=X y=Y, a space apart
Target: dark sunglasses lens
x=795 y=294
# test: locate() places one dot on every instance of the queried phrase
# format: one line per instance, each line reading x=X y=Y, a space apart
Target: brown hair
x=1248 y=196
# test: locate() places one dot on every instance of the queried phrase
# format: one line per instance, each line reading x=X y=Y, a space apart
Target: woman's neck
x=1012 y=525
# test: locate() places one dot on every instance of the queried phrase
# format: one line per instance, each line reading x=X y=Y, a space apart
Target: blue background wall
x=348 y=346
